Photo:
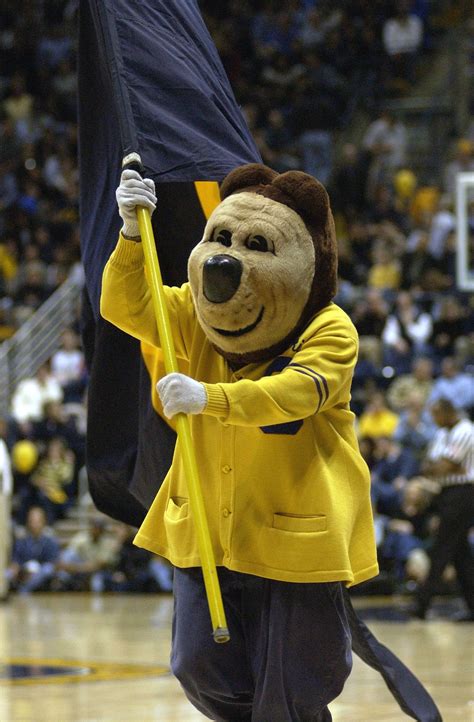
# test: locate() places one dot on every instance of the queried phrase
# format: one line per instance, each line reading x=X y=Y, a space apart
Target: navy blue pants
x=288 y=657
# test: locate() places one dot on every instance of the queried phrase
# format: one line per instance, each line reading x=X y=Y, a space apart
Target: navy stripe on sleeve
x=310 y=376
x=315 y=375
x=325 y=384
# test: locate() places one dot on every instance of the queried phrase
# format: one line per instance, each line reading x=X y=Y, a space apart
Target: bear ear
x=251 y=175
x=308 y=194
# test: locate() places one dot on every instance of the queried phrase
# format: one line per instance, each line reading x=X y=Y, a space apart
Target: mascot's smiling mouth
x=241 y=331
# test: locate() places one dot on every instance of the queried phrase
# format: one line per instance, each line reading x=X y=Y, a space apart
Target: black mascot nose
x=221 y=277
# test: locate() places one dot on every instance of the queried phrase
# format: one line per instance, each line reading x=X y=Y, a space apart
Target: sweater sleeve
x=126 y=299
x=317 y=378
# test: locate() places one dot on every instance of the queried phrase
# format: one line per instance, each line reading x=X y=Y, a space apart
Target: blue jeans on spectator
x=156 y=576
x=289 y=653
x=37 y=579
x=94 y=581
x=397 y=547
x=316 y=149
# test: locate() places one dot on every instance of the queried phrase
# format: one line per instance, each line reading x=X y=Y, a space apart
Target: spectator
x=281 y=73
x=32 y=394
x=87 y=557
x=278 y=143
x=49 y=482
x=326 y=80
x=138 y=570
x=385 y=271
x=450 y=463
x=406 y=534
x=415 y=428
x=454 y=385
x=420 y=270
x=463 y=162
x=34 y=555
x=419 y=381
x=443 y=224
x=8 y=263
x=19 y=104
x=406 y=333
x=312 y=120
x=61 y=421
x=448 y=328
x=349 y=183
x=67 y=367
x=402 y=39
x=274 y=31
x=370 y=313
x=385 y=140
x=395 y=464
x=313 y=31
x=377 y=419
x=383 y=212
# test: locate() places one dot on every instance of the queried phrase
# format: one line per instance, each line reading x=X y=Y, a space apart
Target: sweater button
x=226 y=469
x=225 y=512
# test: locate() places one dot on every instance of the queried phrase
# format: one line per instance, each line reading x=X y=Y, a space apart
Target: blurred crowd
x=301 y=71
x=39 y=238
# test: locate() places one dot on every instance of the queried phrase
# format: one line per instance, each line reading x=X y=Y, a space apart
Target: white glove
x=181 y=394
x=134 y=191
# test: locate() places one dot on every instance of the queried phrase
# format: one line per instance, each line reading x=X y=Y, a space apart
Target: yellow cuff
x=127 y=254
x=217 y=402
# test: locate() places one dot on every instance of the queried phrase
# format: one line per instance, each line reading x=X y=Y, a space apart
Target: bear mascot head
x=267 y=262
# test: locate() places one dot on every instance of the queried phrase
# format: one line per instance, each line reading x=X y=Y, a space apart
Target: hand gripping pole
x=211 y=580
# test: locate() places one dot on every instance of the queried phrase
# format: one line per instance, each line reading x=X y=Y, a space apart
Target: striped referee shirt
x=456 y=445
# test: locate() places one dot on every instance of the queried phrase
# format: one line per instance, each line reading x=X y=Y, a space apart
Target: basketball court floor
x=86 y=658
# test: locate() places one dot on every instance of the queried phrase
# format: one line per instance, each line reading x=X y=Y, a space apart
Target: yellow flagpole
x=211 y=580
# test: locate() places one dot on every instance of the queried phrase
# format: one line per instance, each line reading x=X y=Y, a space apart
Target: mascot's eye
x=224 y=237
x=258 y=243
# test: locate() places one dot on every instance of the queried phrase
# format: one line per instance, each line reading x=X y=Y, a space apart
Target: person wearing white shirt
x=402 y=39
x=406 y=333
x=32 y=394
x=450 y=464
x=67 y=364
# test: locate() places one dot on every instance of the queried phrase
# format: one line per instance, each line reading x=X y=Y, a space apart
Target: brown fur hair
x=307 y=197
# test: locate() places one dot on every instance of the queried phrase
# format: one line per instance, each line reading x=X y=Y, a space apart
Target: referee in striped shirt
x=450 y=463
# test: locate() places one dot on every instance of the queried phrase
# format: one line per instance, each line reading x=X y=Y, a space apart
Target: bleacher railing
x=37 y=339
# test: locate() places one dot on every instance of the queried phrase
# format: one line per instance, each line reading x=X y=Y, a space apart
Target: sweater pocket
x=177 y=508
x=299 y=523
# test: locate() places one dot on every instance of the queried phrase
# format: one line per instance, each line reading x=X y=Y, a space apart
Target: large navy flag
x=150 y=80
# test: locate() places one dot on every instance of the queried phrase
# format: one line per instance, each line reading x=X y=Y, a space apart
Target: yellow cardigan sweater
x=285 y=488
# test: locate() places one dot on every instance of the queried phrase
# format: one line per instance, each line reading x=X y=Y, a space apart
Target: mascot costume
x=269 y=360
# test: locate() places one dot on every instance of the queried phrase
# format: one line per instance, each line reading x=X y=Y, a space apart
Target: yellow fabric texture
x=289 y=503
